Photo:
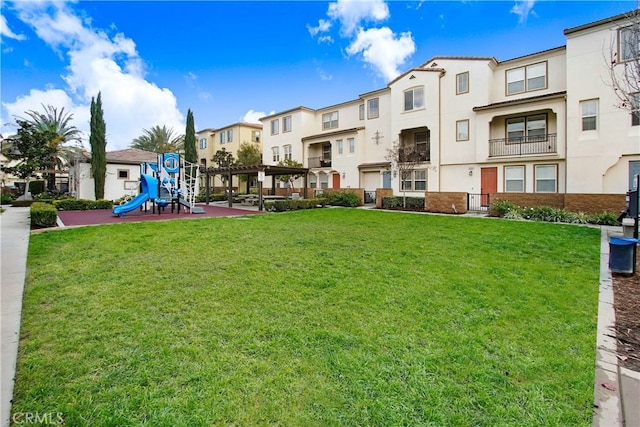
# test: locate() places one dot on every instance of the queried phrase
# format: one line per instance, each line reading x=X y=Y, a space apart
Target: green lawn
x=312 y=318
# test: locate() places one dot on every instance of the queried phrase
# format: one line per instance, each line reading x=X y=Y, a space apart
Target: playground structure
x=172 y=181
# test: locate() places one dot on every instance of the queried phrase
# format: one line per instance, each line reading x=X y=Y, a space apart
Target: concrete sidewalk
x=616 y=390
x=14 y=241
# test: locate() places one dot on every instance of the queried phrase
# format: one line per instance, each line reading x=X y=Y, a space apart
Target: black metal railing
x=413 y=155
x=318 y=162
x=478 y=202
x=542 y=144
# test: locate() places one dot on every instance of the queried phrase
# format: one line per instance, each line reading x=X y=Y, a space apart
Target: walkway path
x=616 y=390
x=14 y=242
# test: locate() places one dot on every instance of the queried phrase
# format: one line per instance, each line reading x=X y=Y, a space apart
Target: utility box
x=627 y=226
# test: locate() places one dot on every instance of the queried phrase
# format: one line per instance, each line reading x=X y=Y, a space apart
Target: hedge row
x=82 y=204
x=398 y=202
x=43 y=215
x=293 y=205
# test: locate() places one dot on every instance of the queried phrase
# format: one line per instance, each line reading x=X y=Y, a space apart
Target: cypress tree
x=190 y=151
x=98 y=143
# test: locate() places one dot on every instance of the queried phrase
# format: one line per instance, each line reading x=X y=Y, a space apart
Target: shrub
x=604 y=218
x=103 y=204
x=398 y=202
x=82 y=204
x=342 y=198
x=36 y=187
x=292 y=205
x=501 y=207
x=21 y=203
x=43 y=215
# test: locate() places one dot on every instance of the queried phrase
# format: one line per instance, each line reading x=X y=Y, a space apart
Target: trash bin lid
x=622 y=241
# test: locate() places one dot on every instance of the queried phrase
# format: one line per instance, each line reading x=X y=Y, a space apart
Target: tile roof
x=127 y=156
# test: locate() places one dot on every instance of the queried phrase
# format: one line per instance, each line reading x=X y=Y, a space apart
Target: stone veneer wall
x=381 y=193
x=587 y=203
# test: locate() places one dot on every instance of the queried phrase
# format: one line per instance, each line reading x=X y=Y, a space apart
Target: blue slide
x=148 y=190
x=131 y=204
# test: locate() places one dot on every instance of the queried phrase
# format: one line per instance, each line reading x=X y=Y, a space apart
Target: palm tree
x=56 y=123
x=159 y=140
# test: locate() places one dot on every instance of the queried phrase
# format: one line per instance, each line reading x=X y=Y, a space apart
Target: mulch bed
x=626 y=302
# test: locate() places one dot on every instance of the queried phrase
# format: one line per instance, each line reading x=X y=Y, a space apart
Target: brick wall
x=587 y=203
x=381 y=193
x=442 y=202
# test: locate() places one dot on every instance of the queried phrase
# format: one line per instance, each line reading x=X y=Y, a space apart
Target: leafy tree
x=98 y=143
x=624 y=71
x=289 y=178
x=159 y=140
x=31 y=148
x=190 y=151
x=57 y=124
x=249 y=154
x=223 y=158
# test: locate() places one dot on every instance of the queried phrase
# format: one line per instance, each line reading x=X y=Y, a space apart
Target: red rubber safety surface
x=106 y=216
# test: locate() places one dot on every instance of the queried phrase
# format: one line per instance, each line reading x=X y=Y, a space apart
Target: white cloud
x=323 y=26
x=351 y=13
x=523 y=9
x=252 y=116
x=381 y=49
x=97 y=63
x=5 y=31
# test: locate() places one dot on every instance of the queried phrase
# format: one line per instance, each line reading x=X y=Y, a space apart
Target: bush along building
x=547 y=128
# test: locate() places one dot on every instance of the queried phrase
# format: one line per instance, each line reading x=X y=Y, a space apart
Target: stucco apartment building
x=230 y=138
x=541 y=123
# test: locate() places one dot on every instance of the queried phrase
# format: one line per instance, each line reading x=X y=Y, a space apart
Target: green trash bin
x=622 y=252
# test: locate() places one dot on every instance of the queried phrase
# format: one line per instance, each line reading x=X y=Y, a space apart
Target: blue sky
x=241 y=60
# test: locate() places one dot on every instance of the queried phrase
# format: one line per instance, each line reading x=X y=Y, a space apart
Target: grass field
x=313 y=318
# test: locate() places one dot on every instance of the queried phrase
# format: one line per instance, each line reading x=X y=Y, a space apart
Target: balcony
x=411 y=155
x=318 y=162
x=523 y=146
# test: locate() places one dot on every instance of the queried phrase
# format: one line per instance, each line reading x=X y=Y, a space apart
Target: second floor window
x=462 y=130
x=525 y=79
x=275 y=127
x=276 y=154
x=361 y=111
x=352 y=145
x=330 y=120
x=373 y=108
x=635 y=110
x=230 y=135
x=340 y=144
x=629 y=43
x=414 y=99
x=286 y=124
x=462 y=83
x=203 y=143
x=223 y=137
x=589 y=113
x=255 y=136
x=287 y=152
x=525 y=129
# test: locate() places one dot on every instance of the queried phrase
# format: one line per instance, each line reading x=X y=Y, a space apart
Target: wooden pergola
x=254 y=170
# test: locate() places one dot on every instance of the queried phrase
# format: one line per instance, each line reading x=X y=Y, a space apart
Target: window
x=230 y=135
x=330 y=120
x=527 y=129
x=525 y=79
x=373 y=108
x=287 y=152
x=286 y=124
x=255 y=136
x=635 y=110
x=589 y=113
x=462 y=83
x=462 y=130
x=340 y=145
x=326 y=152
x=223 y=137
x=275 y=127
x=123 y=173
x=421 y=140
x=313 y=181
x=203 y=143
x=276 y=154
x=352 y=145
x=361 y=111
x=414 y=181
x=628 y=43
x=514 y=179
x=546 y=178
x=414 y=99
x=324 y=180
